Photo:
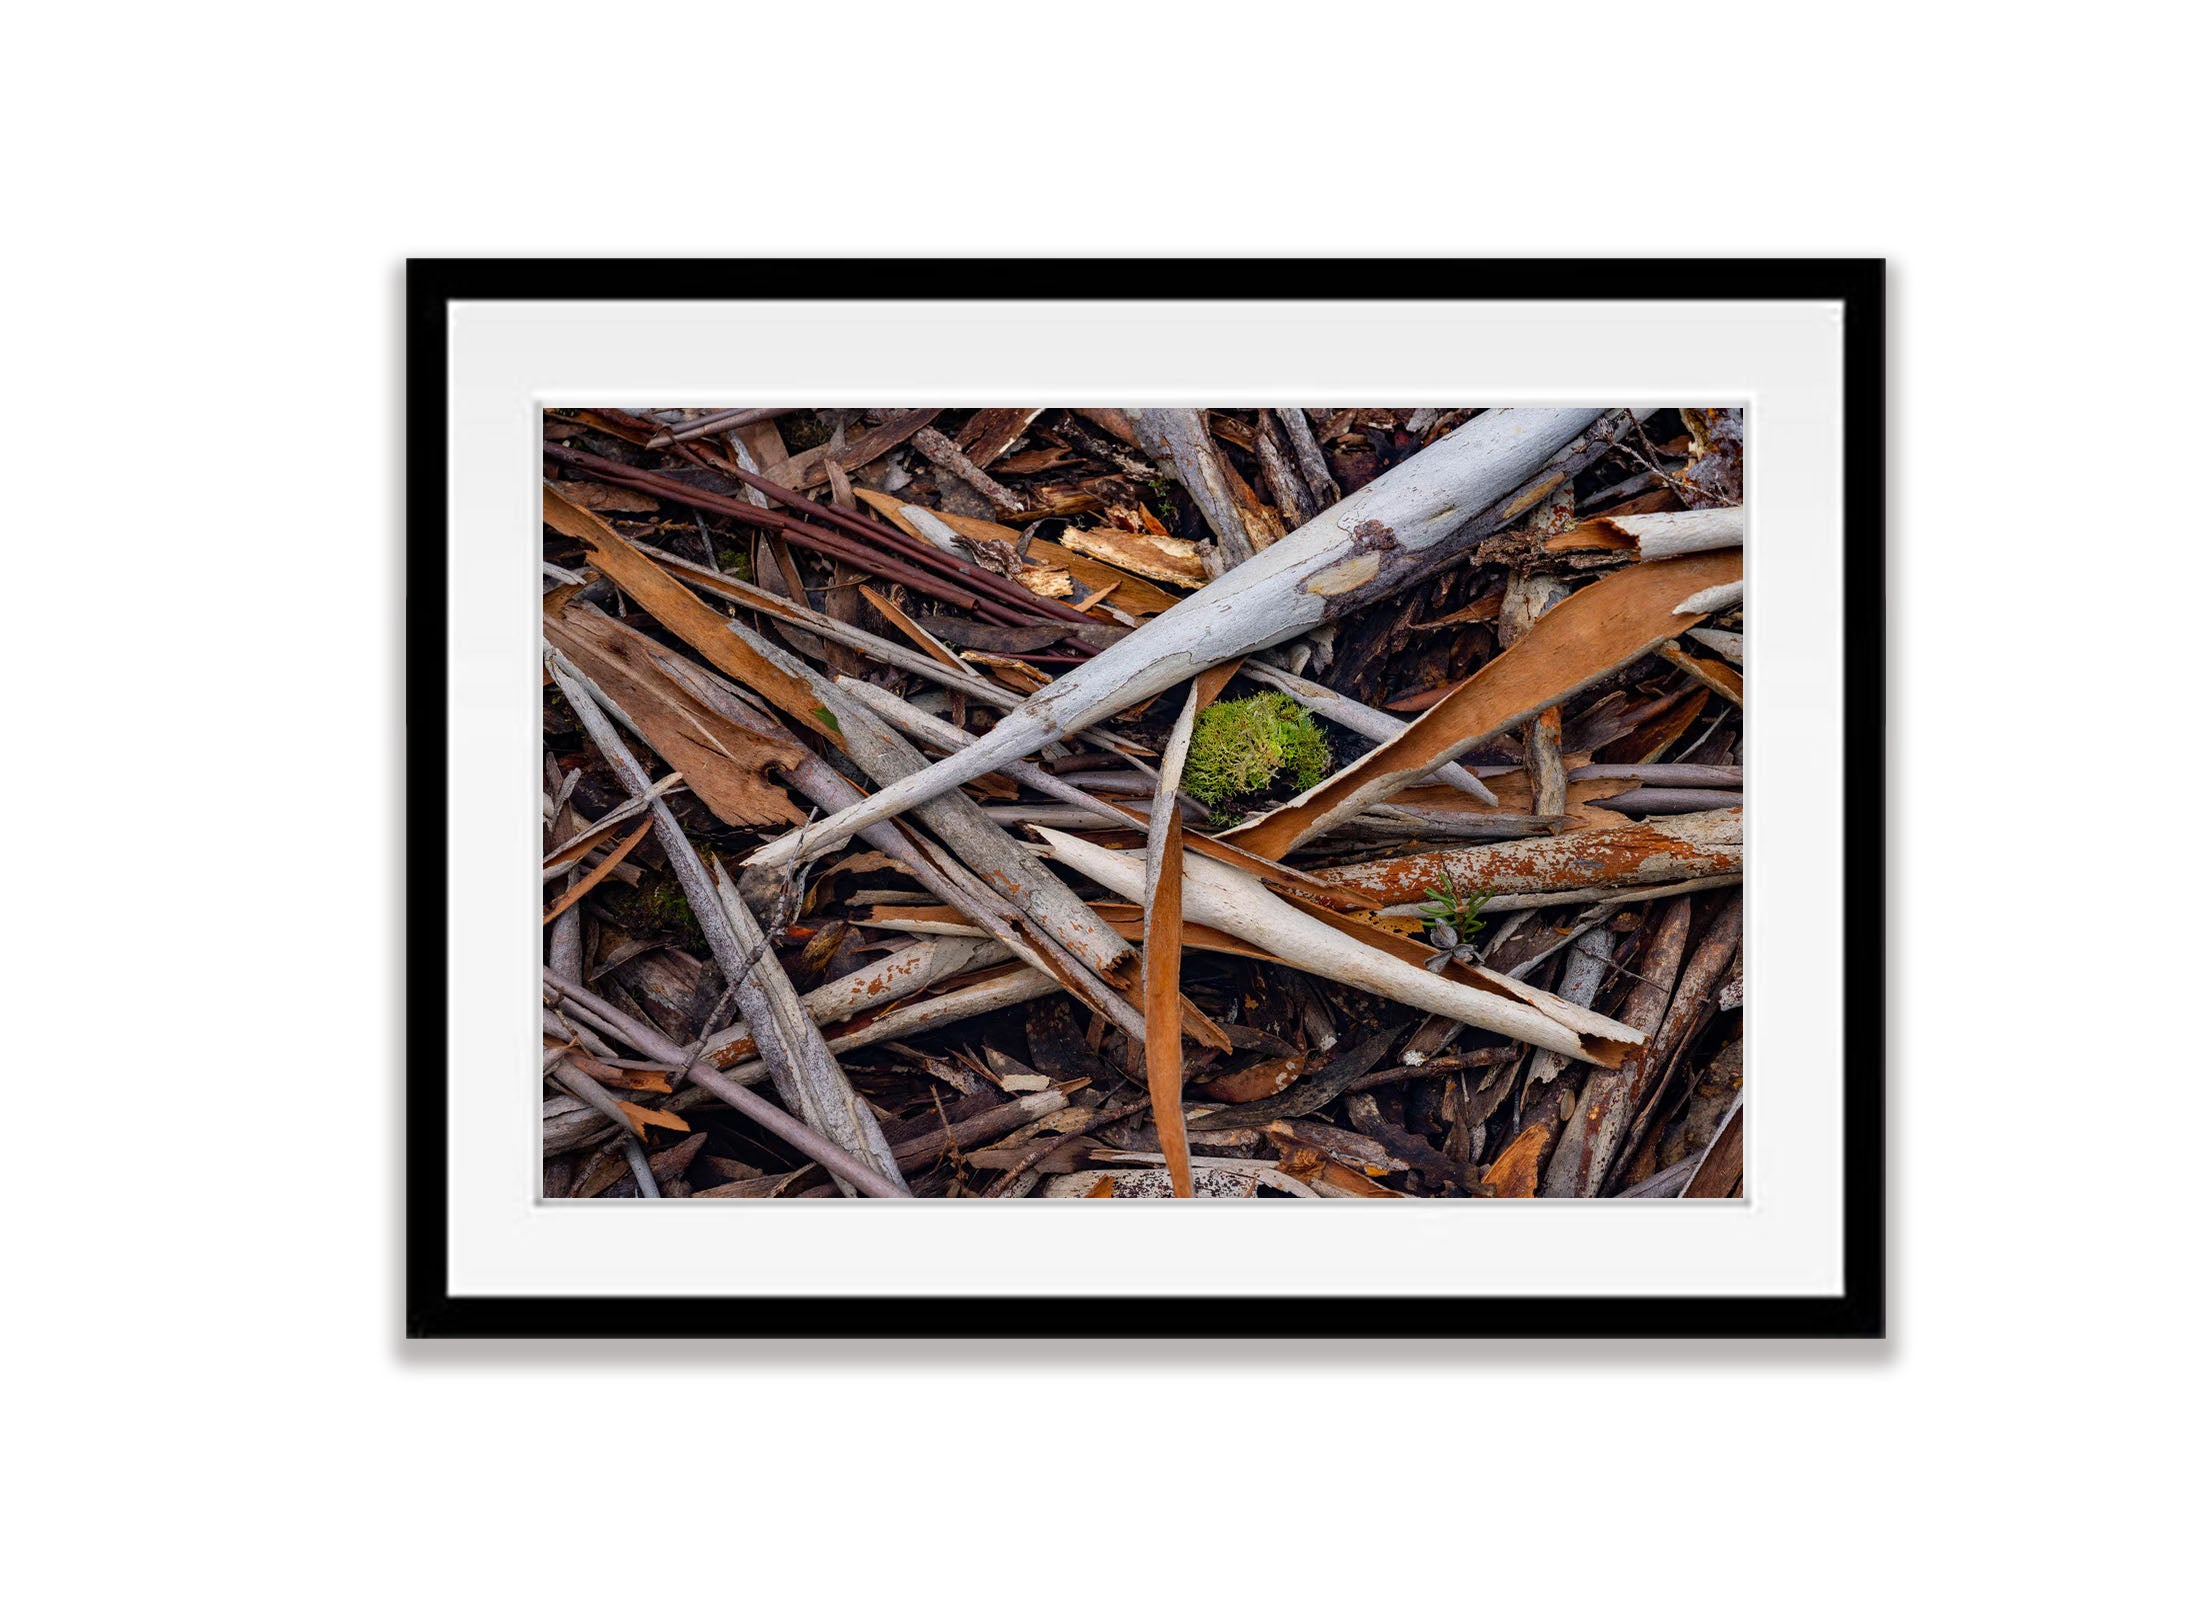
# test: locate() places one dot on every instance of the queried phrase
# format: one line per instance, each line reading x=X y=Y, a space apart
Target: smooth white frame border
x=1781 y=359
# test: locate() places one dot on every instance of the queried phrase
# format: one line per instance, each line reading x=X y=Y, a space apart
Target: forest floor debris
x=1026 y=802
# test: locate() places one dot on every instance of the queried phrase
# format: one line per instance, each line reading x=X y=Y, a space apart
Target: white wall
x=209 y=208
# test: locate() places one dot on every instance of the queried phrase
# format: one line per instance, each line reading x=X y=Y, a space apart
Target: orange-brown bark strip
x=1164 y=1044
x=1663 y=850
x=1163 y=957
x=723 y=762
x=1587 y=636
x=602 y=871
x=664 y=598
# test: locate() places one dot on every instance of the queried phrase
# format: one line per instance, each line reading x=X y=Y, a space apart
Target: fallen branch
x=1313 y=466
x=1410 y=521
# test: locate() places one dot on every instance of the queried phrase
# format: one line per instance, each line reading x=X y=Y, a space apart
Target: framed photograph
x=899 y=750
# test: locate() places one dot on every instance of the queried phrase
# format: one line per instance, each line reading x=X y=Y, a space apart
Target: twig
x=719 y=422
x=1312 y=463
x=942 y=453
x=803 y=1070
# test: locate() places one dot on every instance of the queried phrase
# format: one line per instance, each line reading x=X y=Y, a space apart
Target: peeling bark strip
x=1423 y=513
x=1224 y=899
x=1164 y=903
x=1584 y=638
x=1659 y=536
x=1702 y=845
x=723 y=763
x=684 y=615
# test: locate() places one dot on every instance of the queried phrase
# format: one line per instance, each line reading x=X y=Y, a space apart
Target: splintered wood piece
x=1694 y=999
x=1150 y=555
x=807 y=470
x=1313 y=465
x=989 y=433
x=1584 y=638
x=1176 y=438
x=1421 y=513
x=1294 y=502
x=1132 y=593
x=1658 y=537
x=1008 y=988
x=1512 y=1175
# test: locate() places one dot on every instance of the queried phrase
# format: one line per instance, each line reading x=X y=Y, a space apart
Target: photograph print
x=1109 y=802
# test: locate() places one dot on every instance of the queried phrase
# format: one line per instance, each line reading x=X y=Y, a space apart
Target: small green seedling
x=1451 y=921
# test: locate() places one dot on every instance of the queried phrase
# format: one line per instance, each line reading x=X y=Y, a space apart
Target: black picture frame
x=1859 y=1311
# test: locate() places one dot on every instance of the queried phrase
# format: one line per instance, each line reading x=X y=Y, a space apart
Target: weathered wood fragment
x=1176 y=438
x=1658 y=537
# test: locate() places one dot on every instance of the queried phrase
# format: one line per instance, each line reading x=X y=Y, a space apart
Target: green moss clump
x=1243 y=748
